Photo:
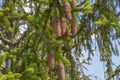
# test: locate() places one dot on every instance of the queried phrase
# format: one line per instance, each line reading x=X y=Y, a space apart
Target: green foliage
x=87 y=7
x=10 y=76
x=2 y=59
x=103 y=21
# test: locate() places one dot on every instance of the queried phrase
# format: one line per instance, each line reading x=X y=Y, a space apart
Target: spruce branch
x=113 y=75
x=118 y=14
x=47 y=16
x=2 y=47
x=81 y=3
x=22 y=37
x=46 y=21
x=11 y=42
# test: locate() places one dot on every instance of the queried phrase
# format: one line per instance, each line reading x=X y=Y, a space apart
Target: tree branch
x=6 y=40
x=81 y=3
x=3 y=47
x=47 y=16
x=46 y=21
x=22 y=36
x=118 y=14
x=116 y=72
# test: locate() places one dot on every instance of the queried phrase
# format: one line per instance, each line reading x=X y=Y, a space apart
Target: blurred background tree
x=44 y=39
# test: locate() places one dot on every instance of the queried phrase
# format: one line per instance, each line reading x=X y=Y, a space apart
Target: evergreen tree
x=44 y=39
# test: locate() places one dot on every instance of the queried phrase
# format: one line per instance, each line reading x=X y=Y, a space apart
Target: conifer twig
x=115 y=73
x=47 y=17
x=81 y=3
x=6 y=40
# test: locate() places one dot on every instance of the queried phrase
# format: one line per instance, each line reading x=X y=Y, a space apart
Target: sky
x=97 y=68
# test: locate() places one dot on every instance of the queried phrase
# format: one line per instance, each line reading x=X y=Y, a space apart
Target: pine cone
x=64 y=31
x=73 y=4
x=51 y=58
x=66 y=34
x=73 y=27
x=57 y=28
x=61 y=71
x=67 y=11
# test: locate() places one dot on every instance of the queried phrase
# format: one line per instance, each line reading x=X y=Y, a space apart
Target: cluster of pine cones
x=60 y=29
x=61 y=70
x=60 y=25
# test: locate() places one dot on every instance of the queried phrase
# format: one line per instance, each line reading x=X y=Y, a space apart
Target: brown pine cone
x=73 y=4
x=67 y=11
x=73 y=28
x=57 y=27
x=61 y=71
x=51 y=59
x=66 y=34
x=64 y=31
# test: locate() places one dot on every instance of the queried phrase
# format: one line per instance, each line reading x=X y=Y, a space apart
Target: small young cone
x=51 y=59
x=73 y=4
x=61 y=71
x=57 y=27
x=64 y=31
x=67 y=11
x=73 y=28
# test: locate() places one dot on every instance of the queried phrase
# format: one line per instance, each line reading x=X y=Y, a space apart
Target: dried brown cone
x=57 y=27
x=61 y=71
x=73 y=4
x=64 y=30
x=73 y=28
x=51 y=59
x=67 y=11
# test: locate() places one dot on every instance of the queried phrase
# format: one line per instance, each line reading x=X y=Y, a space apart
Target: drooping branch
x=113 y=75
x=47 y=16
x=46 y=21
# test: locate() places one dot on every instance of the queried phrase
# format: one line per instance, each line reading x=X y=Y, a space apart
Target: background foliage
x=27 y=38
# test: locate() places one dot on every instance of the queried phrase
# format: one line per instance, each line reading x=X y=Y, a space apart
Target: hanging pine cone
x=67 y=11
x=73 y=27
x=73 y=4
x=61 y=71
x=63 y=25
x=57 y=28
x=51 y=58
x=66 y=34
x=64 y=31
